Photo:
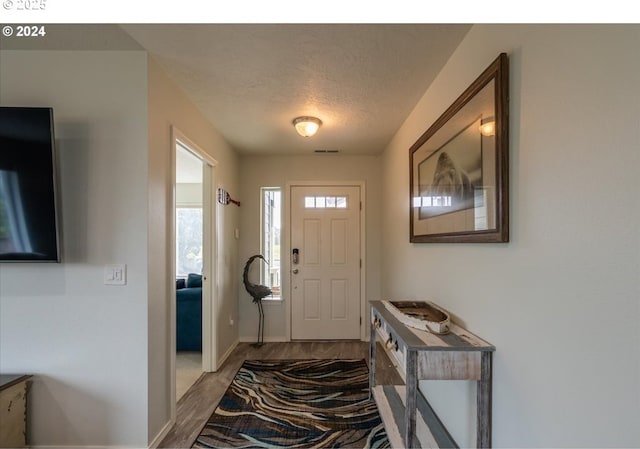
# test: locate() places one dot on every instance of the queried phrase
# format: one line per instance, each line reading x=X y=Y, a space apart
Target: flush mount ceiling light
x=488 y=127
x=307 y=126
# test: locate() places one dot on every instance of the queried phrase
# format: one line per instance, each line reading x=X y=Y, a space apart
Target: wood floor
x=199 y=402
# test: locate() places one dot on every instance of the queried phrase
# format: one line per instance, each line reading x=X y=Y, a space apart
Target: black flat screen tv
x=28 y=214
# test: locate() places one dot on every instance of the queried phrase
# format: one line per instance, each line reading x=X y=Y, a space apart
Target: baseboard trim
x=163 y=433
x=84 y=446
x=266 y=340
x=226 y=355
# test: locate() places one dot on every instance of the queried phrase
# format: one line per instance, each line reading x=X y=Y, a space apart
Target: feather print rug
x=296 y=404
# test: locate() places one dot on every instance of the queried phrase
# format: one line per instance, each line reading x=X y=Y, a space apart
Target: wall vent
x=326 y=151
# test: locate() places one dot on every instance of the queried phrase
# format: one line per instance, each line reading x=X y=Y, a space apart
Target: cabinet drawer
x=449 y=365
x=394 y=346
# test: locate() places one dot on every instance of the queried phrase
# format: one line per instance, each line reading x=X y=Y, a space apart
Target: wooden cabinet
x=420 y=355
x=13 y=410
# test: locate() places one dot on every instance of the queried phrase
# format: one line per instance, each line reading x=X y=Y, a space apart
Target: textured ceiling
x=252 y=80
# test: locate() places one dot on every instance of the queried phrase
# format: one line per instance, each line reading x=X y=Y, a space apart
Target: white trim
x=262 y=232
x=171 y=287
x=163 y=433
x=252 y=339
x=286 y=249
x=193 y=147
x=209 y=273
x=84 y=446
x=285 y=260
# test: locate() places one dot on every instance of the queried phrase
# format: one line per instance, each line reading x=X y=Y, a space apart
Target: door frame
x=286 y=272
x=210 y=277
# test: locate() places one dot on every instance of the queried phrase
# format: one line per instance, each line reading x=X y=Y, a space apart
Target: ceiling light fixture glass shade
x=488 y=127
x=307 y=126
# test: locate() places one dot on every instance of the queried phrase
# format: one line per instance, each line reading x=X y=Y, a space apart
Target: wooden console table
x=421 y=355
x=13 y=410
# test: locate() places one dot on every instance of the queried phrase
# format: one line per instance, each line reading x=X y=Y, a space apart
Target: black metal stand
x=260 y=325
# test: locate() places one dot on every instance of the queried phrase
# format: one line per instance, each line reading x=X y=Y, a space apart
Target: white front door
x=325 y=281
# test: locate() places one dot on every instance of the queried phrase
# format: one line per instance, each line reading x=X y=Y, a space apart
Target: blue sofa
x=189 y=313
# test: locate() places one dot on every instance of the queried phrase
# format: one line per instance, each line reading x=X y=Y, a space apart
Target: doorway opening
x=193 y=264
x=189 y=228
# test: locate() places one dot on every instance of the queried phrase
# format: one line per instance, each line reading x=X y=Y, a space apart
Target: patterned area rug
x=296 y=404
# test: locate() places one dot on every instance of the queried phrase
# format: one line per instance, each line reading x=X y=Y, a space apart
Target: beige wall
x=560 y=301
x=168 y=106
x=84 y=342
x=276 y=171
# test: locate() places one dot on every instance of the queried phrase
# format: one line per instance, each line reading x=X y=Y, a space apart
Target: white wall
x=276 y=171
x=169 y=106
x=101 y=353
x=85 y=342
x=560 y=301
x=189 y=194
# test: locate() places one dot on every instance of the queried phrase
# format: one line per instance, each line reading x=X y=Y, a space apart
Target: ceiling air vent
x=326 y=151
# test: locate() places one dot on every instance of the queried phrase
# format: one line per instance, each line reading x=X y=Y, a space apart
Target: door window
x=325 y=202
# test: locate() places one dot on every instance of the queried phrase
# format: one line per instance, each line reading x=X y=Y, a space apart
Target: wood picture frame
x=459 y=167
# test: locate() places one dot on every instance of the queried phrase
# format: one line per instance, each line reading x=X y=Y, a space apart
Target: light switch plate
x=115 y=274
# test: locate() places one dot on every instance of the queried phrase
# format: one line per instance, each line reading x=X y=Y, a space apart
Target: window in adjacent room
x=188 y=240
x=189 y=207
x=271 y=238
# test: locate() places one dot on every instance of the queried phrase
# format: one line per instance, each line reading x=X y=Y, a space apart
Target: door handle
x=294 y=271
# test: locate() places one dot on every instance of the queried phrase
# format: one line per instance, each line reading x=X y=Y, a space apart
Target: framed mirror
x=459 y=178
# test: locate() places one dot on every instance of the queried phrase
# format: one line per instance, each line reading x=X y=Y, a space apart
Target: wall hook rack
x=224 y=198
